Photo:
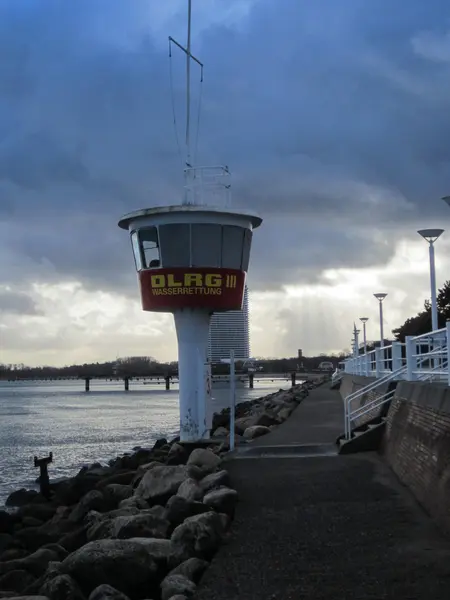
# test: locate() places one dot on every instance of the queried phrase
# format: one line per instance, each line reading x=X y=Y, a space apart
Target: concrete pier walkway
x=324 y=527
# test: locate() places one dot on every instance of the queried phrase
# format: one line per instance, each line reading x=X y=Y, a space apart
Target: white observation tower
x=192 y=260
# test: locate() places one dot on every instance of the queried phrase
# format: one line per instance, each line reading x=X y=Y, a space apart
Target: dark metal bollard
x=293 y=376
x=44 y=481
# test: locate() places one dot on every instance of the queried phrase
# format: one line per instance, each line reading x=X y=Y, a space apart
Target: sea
x=80 y=428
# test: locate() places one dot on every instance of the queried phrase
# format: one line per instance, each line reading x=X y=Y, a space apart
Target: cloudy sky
x=334 y=118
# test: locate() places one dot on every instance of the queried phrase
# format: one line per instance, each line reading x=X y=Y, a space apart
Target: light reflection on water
x=81 y=428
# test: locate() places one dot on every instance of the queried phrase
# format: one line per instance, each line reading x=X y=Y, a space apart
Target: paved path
x=325 y=528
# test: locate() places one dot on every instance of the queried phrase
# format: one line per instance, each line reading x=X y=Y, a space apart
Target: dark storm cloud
x=17 y=303
x=333 y=116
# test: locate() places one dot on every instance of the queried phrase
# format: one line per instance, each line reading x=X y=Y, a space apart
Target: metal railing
x=208 y=186
x=422 y=358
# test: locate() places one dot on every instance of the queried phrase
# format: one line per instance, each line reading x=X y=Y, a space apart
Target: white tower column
x=192 y=328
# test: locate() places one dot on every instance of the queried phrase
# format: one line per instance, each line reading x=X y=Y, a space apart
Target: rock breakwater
x=145 y=526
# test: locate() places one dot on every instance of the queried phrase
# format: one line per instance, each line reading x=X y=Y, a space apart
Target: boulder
x=205 y=459
x=29 y=597
x=223 y=500
x=122 y=478
x=192 y=568
x=160 y=483
x=284 y=413
x=115 y=493
x=62 y=587
x=6 y=541
x=190 y=490
x=178 y=455
x=255 y=431
x=160 y=550
x=93 y=500
x=74 y=539
x=134 y=502
x=35 y=563
x=16 y=580
x=43 y=512
x=199 y=536
x=220 y=432
x=142 y=525
x=178 y=509
x=173 y=585
x=241 y=424
x=214 y=480
x=31 y=522
x=106 y=592
x=121 y=564
x=23 y=496
x=6 y=522
x=57 y=549
x=267 y=418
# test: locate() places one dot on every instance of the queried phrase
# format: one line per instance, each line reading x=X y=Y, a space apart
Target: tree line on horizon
x=142 y=366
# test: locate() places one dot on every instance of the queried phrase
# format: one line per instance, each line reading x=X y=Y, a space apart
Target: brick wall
x=417 y=444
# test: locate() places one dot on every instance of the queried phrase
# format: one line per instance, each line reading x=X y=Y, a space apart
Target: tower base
x=192 y=327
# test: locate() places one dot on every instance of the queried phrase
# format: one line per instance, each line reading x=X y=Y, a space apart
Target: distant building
x=230 y=331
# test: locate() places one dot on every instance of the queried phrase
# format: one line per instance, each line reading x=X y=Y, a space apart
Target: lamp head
x=431 y=235
x=363 y=319
x=446 y=199
x=380 y=296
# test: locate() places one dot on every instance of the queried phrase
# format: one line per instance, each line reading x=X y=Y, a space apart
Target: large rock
x=115 y=493
x=43 y=512
x=255 y=431
x=73 y=540
x=6 y=522
x=160 y=550
x=142 y=525
x=16 y=580
x=106 y=592
x=35 y=563
x=30 y=597
x=160 y=483
x=220 y=432
x=192 y=568
x=6 y=541
x=241 y=424
x=93 y=500
x=177 y=455
x=134 y=502
x=199 y=536
x=223 y=500
x=267 y=418
x=173 y=585
x=122 y=564
x=215 y=480
x=178 y=509
x=62 y=587
x=23 y=496
x=190 y=490
x=205 y=459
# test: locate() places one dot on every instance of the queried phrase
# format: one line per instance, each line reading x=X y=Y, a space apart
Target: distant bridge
x=251 y=378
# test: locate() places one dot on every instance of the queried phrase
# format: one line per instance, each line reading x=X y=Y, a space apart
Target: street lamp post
x=366 y=364
x=380 y=297
x=431 y=235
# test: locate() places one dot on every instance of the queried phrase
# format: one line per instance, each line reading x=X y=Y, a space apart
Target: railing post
x=411 y=360
x=397 y=361
x=447 y=342
x=378 y=362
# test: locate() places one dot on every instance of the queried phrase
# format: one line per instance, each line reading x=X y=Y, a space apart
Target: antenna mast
x=188 y=171
x=188 y=86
